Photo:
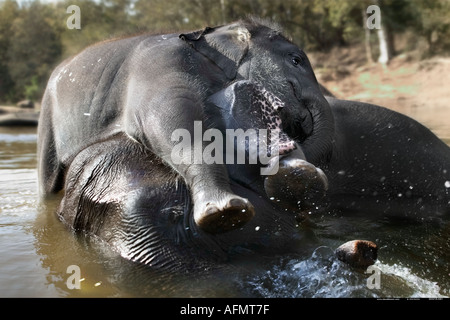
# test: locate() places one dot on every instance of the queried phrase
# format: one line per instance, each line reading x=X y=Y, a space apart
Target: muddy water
x=36 y=249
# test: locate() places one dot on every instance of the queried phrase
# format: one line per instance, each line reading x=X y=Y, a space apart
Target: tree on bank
x=33 y=50
x=9 y=11
x=34 y=36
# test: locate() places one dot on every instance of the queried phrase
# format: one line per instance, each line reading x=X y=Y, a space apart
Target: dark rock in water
x=19 y=118
x=25 y=104
x=358 y=253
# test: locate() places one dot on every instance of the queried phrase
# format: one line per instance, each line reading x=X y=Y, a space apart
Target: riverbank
x=408 y=84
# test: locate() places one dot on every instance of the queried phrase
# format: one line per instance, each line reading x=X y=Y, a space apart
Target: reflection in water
x=59 y=248
x=36 y=249
x=104 y=273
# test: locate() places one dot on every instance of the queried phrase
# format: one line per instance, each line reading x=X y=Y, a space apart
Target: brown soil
x=417 y=88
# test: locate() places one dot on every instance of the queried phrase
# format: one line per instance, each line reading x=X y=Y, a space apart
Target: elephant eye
x=296 y=61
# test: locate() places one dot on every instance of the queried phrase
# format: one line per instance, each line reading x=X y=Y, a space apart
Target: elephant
x=379 y=161
x=105 y=140
x=296 y=184
x=383 y=162
x=131 y=199
x=149 y=86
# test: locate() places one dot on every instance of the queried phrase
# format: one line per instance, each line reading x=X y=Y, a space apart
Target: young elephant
x=133 y=201
x=289 y=179
x=146 y=87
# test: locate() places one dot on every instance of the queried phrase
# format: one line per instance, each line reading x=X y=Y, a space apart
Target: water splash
x=417 y=286
x=323 y=276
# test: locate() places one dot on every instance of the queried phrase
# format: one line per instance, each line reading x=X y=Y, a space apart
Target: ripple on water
x=323 y=276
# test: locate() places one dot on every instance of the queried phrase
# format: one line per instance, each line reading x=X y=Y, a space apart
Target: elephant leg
x=216 y=208
x=172 y=119
x=298 y=185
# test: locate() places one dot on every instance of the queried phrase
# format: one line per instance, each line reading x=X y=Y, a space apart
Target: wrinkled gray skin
x=129 y=198
x=297 y=185
x=146 y=87
x=380 y=162
x=104 y=137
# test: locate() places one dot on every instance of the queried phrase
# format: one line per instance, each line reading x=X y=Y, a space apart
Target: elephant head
x=295 y=184
x=256 y=50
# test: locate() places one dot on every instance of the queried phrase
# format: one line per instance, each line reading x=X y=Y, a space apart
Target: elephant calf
x=147 y=87
x=105 y=139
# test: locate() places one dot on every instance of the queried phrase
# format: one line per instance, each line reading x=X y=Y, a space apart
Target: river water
x=36 y=250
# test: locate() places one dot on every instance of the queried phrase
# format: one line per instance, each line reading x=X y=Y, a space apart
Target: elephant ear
x=225 y=46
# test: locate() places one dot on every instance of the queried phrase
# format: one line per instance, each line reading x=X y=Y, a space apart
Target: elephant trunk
x=318 y=146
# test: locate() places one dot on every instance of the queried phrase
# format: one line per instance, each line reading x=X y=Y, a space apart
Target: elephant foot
x=298 y=185
x=229 y=213
x=358 y=253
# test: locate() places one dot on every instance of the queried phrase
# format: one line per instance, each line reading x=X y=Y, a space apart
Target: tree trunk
x=367 y=37
x=222 y=9
x=384 y=50
x=382 y=40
